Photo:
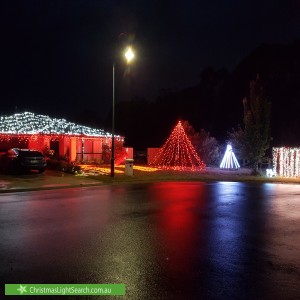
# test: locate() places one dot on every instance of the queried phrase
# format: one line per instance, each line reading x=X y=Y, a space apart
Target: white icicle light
x=30 y=123
x=286 y=161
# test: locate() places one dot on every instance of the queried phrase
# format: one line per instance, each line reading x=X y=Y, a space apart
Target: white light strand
x=229 y=160
x=286 y=161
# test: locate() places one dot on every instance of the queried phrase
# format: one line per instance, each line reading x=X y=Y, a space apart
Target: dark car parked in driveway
x=22 y=160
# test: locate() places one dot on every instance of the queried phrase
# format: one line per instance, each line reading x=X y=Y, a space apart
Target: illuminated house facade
x=40 y=132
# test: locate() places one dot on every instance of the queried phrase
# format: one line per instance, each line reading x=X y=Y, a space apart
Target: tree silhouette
x=206 y=146
x=253 y=141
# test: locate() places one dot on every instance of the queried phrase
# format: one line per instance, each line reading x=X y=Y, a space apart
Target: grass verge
x=207 y=175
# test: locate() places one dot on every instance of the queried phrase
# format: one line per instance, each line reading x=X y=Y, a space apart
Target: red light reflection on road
x=179 y=224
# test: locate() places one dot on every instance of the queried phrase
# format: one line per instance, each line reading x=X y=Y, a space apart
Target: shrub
x=62 y=165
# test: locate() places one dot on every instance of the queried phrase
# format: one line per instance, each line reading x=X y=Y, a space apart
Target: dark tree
x=253 y=140
x=205 y=145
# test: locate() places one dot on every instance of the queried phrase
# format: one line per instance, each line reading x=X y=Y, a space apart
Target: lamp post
x=129 y=55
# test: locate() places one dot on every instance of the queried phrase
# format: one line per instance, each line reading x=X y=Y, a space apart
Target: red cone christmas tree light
x=178 y=152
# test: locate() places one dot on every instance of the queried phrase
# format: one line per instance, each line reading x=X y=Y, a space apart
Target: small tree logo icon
x=22 y=289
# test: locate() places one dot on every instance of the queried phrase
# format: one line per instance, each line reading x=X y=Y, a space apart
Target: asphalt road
x=185 y=240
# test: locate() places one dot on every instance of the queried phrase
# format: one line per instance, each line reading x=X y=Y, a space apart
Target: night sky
x=56 y=56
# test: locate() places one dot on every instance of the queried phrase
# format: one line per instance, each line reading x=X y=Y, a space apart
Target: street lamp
x=129 y=55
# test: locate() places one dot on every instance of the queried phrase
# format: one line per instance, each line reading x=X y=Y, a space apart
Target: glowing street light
x=129 y=55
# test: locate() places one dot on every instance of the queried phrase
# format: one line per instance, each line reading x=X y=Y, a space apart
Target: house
x=57 y=136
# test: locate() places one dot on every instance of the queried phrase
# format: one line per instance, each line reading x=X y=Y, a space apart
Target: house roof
x=30 y=123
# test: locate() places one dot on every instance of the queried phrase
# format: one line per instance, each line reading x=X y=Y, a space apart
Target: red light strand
x=178 y=152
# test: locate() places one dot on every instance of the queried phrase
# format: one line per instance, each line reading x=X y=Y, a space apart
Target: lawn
x=146 y=174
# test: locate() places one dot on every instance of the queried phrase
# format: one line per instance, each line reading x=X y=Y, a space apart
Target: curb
x=43 y=188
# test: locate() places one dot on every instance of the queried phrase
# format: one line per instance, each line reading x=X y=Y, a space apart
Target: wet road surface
x=185 y=240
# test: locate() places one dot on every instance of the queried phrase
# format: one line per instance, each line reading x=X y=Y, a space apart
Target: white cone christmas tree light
x=178 y=152
x=229 y=160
